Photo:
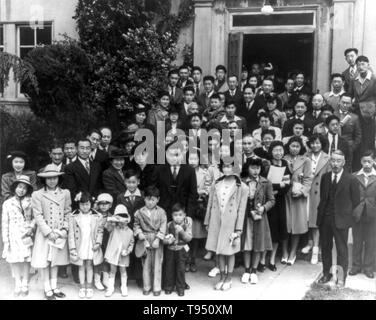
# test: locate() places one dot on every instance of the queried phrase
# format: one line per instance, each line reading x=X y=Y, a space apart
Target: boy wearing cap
x=150 y=226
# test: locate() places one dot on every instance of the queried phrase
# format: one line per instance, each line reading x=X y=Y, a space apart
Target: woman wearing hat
x=17 y=230
x=113 y=177
x=51 y=208
x=18 y=165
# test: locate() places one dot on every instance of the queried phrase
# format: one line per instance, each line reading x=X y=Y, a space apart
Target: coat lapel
x=322 y=162
x=341 y=182
x=297 y=164
x=81 y=169
x=117 y=176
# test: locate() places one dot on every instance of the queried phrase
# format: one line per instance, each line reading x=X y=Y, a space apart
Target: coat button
x=316 y=192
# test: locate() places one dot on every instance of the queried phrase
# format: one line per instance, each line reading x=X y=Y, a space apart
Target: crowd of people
x=307 y=167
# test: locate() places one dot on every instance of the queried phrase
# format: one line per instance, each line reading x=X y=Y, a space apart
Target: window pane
x=1 y=35
x=27 y=36
x=44 y=36
x=285 y=19
x=24 y=51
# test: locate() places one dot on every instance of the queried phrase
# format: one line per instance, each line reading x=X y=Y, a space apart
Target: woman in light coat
x=320 y=165
x=51 y=208
x=17 y=231
x=224 y=221
x=296 y=197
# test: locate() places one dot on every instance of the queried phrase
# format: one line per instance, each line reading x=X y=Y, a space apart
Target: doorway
x=287 y=52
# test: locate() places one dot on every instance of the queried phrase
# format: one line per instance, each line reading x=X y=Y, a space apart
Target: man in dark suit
x=267 y=89
x=113 y=178
x=184 y=79
x=365 y=219
x=70 y=151
x=189 y=95
x=176 y=94
x=176 y=182
x=248 y=109
x=335 y=141
x=339 y=196
x=301 y=86
x=106 y=140
x=351 y=54
x=96 y=154
x=83 y=174
x=287 y=95
x=300 y=110
x=350 y=129
x=204 y=98
x=315 y=114
x=198 y=83
x=234 y=94
x=363 y=87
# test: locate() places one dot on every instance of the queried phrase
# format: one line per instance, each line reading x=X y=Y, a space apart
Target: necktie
x=87 y=166
x=352 y=72
x=68 y=161
x=132 y=198
x=196 y=88
x=366 y=180
x=333 y=145
x=173 y=92
x=334 y=182
x=175 y=173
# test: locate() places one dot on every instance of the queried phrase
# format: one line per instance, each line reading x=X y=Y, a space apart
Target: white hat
x=50 y=171
x=120 y=215
x=105 y=197
x=121 y=209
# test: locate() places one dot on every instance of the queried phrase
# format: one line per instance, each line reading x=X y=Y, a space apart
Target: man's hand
x=52 y=236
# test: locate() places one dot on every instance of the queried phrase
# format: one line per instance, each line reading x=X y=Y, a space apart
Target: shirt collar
x=368 y=76
x=136 y=193
x=372 y=173
x=83 y=161
x=332 y=94
x=339 y=175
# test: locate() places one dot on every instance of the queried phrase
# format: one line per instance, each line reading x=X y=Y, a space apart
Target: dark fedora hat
x=117 y=153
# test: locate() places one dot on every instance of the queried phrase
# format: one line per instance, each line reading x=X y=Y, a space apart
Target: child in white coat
x=120 y=245
x=17 y=229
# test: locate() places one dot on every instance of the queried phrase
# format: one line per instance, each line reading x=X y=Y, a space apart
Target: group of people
x=307 y=167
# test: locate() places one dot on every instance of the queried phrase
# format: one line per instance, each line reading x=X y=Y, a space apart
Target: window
x=29 y=38
x=284 y=19
x=1 y=38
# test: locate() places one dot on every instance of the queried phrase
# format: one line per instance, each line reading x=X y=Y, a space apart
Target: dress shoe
x=219 y=285
x=261 y=267
x=58 y=293
x=290 y=262
x=272 y=267
x=187 y=287
x=307 y=249
x=226 y=285
x=369 y=274
x=168 y=291
x=180 y=293
x=325 y=278
x=284 y=260
x=49 y=295
x=354 y=272
x=156 y=293
x=146 y=292
x=193 y=267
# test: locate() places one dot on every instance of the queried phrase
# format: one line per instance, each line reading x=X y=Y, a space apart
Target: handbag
x=200 y=212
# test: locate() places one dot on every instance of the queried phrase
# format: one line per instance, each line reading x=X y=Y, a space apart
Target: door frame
x=313 y=29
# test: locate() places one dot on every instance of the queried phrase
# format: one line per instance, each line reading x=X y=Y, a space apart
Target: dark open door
x=235 y=53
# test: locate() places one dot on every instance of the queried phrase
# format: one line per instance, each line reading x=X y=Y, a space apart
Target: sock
x=24 y=282
x=228 y=277
x=247 y=270
x=222 y=275
x=18 y=284
x=254 y=270
x=53 y=284
x=47 y=286
x=124 y=280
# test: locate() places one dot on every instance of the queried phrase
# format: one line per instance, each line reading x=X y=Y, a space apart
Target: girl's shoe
x=49 y=295
x=208 y=256
x=109 y=292
x=245 y=277
x=98 y=285
x=307 y=249
x=213 y=272
x=124 y=291
x=254 y=278
x=272 y=267
x=226 y=285
x=284 y=260
x=24 y=291
x=58 y=293
x=82 y=293
x=315 y=255
x=291 y=262
x=219 y=285
x=261 y=267
x=89 y=293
